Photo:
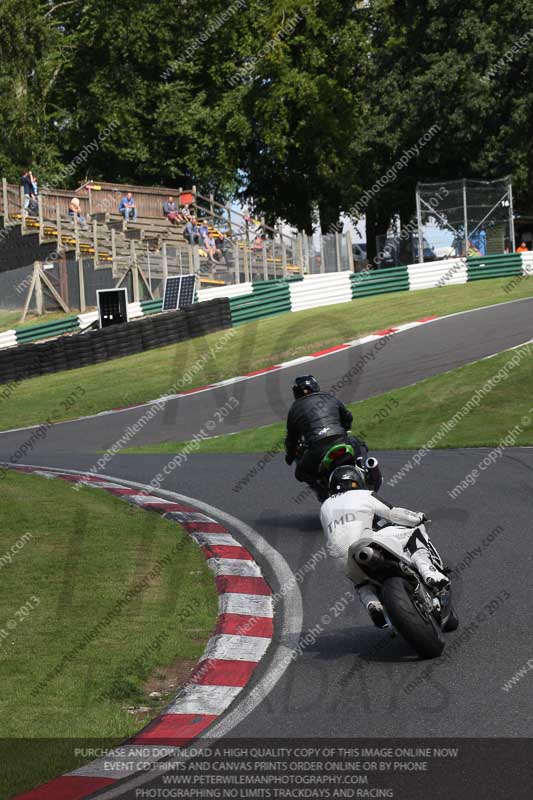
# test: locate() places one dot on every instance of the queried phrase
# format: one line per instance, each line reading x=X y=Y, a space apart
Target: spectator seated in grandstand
x=192 y=232
x=211 y=248
x=222 y=241
x=204 y=230
x=74 y=211
x=172 y=212
x=186 y=212
x=523 y=248
x=127 y=208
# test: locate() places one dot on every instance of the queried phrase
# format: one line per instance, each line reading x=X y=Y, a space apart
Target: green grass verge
x=149 y=375
x=410 y=417
x=79 y=552
x=9 y=320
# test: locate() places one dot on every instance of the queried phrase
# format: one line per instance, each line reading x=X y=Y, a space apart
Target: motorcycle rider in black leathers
x=317 y=420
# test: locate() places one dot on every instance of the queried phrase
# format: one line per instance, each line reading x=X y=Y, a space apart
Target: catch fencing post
x=465 y=209
x=5 y=202
x=338 y=256
x=264 y=250
x=511 y=216
x=236 y=262
x=246 y=262
x=40 y=202
x=419 y=222
x=349 y=250
x=228 y=212
x=58 y=223
x=23 y=212
x=76 y=234
x=164 y=256
x=81 y=280
x=95 y=242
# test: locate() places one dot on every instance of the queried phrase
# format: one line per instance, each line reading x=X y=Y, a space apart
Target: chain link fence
x=464 y=218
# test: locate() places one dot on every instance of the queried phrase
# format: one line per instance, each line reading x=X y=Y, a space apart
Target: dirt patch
x=167 y=680
x=161 y=687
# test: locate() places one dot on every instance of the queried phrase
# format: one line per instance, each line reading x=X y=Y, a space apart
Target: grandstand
x=140 y=254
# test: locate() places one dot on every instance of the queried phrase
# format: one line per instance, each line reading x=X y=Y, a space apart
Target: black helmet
x=344 y=479
x=305 y=384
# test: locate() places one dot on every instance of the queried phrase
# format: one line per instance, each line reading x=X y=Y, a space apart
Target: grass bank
x=149 y=375
x=66 y=560
x=10 y=319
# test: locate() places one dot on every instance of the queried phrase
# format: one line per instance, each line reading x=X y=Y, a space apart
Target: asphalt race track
x=406 y=358
x=351 y=679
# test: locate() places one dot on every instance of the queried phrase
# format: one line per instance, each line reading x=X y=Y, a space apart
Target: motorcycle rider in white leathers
x=351 y=513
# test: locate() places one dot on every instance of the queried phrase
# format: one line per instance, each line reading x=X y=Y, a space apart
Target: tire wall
x=80 y=350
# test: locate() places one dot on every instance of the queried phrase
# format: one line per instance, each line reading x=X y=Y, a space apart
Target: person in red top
x=523 y=248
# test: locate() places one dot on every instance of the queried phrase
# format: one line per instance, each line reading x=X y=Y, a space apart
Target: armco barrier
x=321 y=290
x=379 y=281
x=70 y=352
x=449 y=272
x=47 y=330
x=8 y=339
x=267 y=299
x=496 y=266
x=527 y=263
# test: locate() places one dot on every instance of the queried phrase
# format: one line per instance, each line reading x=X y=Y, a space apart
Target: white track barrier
x=527 y=263
x=437 y=273
x=235 y=290
x=326 y=289
x=8 y=339
x=135 y=311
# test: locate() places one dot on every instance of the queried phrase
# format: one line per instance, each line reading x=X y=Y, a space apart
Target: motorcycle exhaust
x=373 y=471
x=367 y=555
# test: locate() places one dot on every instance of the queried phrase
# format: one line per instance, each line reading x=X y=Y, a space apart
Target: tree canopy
x=296 y=108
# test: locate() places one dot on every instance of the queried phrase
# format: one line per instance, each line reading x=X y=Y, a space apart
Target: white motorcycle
x=419 y=613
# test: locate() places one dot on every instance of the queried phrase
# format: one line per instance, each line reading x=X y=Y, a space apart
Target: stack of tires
x=170 y=328
x=208 y=317
x=93 y=347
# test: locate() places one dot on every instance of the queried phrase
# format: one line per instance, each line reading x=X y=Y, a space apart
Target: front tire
x=422 y=634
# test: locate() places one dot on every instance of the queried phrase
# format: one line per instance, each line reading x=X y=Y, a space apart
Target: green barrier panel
x=494 y=257
x=484 y=274
x=152 y=306
x=382 y=290
x=47 y=330
x=492 y=264
x=260 y=308
x=499 y=265
x=268 y=298
x=383 y=281
x=251 y=317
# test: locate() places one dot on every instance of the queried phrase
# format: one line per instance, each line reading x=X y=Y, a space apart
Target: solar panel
x=179 y=292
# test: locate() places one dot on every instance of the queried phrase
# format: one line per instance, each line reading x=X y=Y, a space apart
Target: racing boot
x=373 y=605
x=428 y=572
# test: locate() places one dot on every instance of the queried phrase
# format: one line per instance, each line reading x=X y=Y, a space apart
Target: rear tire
x=422 y=634
x=452 y=623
